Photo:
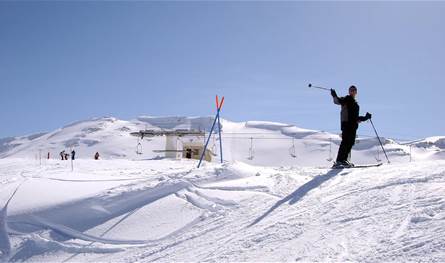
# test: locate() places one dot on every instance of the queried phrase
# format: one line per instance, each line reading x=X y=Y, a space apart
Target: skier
x=349 y=124
x=73 y=154
x=96 y=156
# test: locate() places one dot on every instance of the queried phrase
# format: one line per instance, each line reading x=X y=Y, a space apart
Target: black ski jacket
x=349 y=112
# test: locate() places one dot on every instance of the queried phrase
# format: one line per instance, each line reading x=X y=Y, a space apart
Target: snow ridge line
x=139 y=198
x=5 y=243
x=410 y=181
x=88 y=181
x=104 y=233
x=111 y=206
x=124 y=199
x=68 y=232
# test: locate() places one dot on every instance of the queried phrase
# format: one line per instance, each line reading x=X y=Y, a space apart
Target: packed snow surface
x=273 y=199
x=168 y=210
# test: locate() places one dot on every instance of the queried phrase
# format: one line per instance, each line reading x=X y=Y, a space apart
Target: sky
x=66 y=61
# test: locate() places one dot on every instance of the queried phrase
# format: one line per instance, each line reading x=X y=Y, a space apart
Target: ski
x=357 y=166
x=368 y=165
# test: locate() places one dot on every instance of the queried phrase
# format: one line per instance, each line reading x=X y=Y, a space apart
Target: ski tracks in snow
x=69 y=221
x=354 y=216
x=230 y=214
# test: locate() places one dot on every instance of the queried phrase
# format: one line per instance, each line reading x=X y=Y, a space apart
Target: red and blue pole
x=218 y=109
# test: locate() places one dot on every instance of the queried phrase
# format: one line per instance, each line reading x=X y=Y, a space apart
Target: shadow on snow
x=300 y=192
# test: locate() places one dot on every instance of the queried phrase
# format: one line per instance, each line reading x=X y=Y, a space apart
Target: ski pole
x=317 y=87
x=379 y=140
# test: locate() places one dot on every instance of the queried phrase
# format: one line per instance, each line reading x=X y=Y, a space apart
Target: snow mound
x=432 y=142
x=286 y=129
x=274 y=126
x=178 y=122
x=133 y=211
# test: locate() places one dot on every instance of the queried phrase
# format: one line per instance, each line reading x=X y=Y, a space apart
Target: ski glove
x=368 y=116
x=333 y=93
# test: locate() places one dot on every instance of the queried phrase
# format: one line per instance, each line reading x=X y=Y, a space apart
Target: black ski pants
x=348 y=135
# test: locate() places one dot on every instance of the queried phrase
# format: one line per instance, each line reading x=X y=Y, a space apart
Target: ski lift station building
x=179 y=143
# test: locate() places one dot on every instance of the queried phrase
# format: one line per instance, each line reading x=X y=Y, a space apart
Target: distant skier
x=96 y=156
x=62 y=155
x=349 y=124
x=73 y=154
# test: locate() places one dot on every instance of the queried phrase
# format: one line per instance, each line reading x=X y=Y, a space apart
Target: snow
x=272 y=207
x=437 y=142
x=253 y=142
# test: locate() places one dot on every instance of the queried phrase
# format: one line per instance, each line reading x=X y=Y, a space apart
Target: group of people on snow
x=64 y=155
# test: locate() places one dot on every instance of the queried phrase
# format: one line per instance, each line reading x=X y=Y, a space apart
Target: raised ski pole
x=211 y=131
x=317 y=87
x=379 y=141
x=218 y=107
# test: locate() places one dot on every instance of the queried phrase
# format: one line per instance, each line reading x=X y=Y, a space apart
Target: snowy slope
x=108 y=136
x=252 y=142
x=142 y=211
x=273 y=199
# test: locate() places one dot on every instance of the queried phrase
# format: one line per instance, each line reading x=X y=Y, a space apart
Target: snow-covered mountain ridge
x=252 y=142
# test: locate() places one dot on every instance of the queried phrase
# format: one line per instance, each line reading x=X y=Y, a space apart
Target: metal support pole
x=220 y=139
x=208 y=139
x=218 y=110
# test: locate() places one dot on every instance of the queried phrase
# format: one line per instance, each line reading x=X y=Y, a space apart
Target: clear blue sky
x=66 y=61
